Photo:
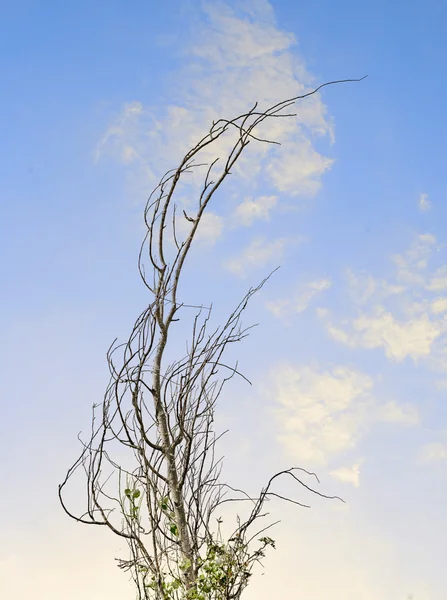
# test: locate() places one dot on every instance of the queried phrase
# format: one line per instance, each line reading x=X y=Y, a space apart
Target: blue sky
x=348 y=363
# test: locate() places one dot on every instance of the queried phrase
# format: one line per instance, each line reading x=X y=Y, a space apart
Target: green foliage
x=132 y=495
x=163 y=503
x=225 y=567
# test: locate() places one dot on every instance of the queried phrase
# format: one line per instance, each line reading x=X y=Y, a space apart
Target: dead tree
x=161 y=417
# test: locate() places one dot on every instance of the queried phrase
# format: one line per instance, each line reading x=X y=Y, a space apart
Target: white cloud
x=412 y=264
x=242 y=58
x=433 y=452
x=363 y=287
x=439 y=305
x=299 y=172
x=278 y=307
x=320 y=414
x=129 y=154
x=438 y=282
x=424 y=203
x=399 y=340
x=120 y=133
x=209 y=230
x=402 y=414
x=397 y=315
x=251 y=209
x=237 y=41
x=300 y=300
x=258 y=253
x=339 y=335
x=348 y=474
x=304 y=295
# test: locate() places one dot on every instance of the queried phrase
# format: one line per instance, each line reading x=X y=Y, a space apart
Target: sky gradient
x=348 y=362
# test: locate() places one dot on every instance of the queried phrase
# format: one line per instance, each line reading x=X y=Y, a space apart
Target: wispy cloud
x=257 y=254
x=300 y=299
x=364 y=288
x=411 y=266
x=299 y=171
x=119 y=135
x=208 y=232
x=252 y=209
x=348 y=474
x=433 y=452
x=399 y=315
x=399 y=339
x=438 y=281
x=242 y=58
x=402 y=414
x=424 y=203
x=320 y=413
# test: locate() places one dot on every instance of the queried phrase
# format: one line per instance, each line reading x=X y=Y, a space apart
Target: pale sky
x=348 y=363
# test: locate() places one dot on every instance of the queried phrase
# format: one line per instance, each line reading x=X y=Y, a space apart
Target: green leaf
x=267 y=541
x=136 y=494
x=185 y=565
x=174 y=529
x=127 y=491
x=163 y=503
